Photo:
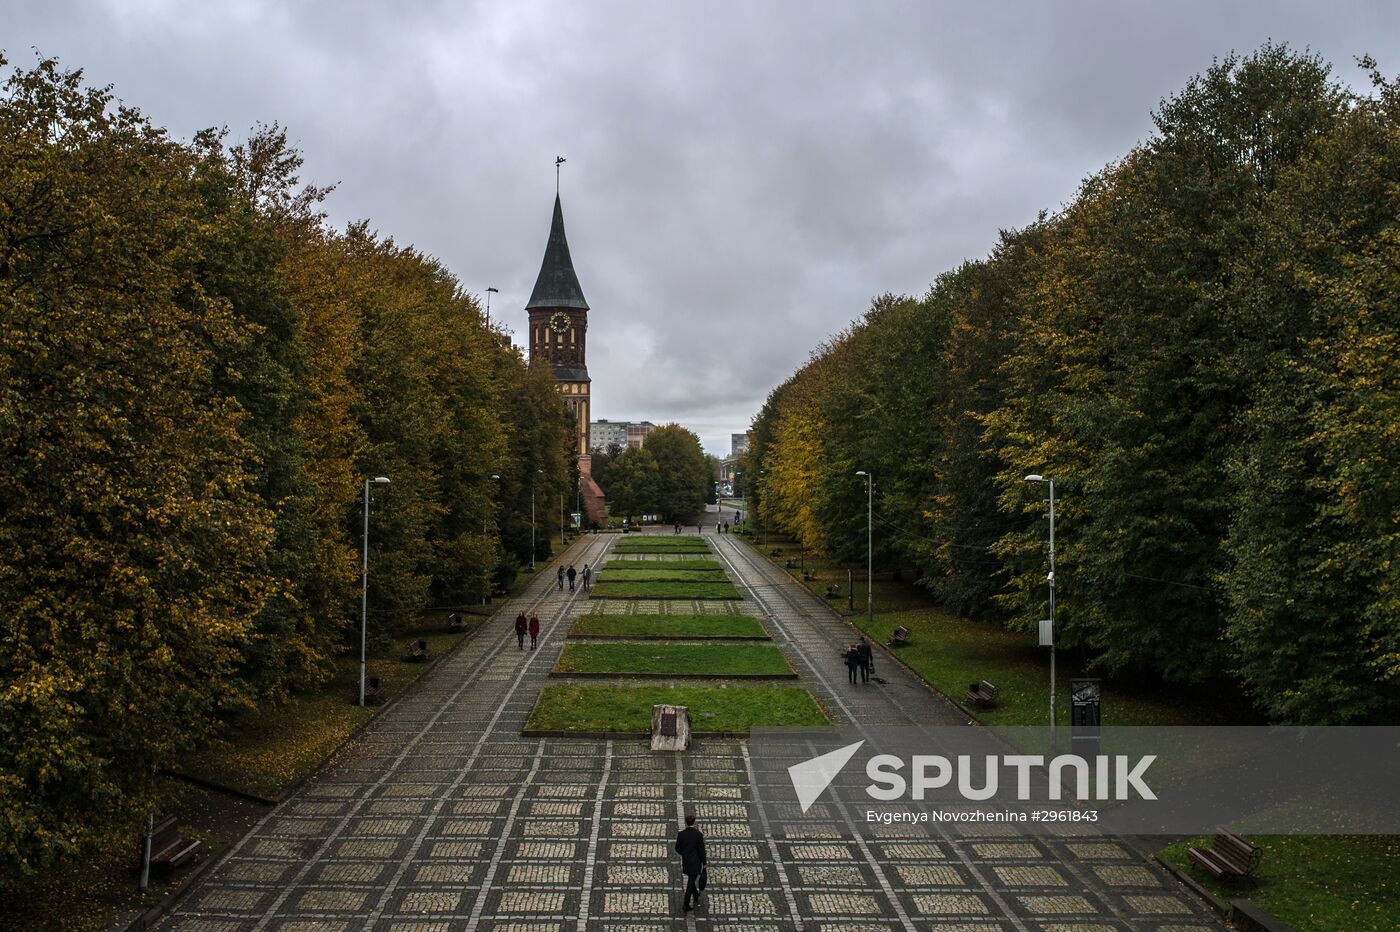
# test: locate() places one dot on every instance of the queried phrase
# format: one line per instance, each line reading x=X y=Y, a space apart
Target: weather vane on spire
x=558 y=160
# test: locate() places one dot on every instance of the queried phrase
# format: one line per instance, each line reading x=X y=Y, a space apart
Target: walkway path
x=440 y=816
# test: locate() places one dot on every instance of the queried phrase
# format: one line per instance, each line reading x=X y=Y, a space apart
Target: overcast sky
x=742 y=177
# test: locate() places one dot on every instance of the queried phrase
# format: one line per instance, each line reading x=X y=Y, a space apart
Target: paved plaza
x=440 y=816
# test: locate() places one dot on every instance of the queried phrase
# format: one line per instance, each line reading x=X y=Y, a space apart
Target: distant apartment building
x=738 y=443
x=623 y=433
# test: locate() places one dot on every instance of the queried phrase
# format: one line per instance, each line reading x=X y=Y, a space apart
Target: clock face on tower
x=559 y=322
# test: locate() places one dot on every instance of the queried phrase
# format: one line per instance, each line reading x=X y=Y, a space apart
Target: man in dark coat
x=561 y=578
x=852 y=657
x=520 y=626
x=867 y=660
x=690 y=845
x=573 y=574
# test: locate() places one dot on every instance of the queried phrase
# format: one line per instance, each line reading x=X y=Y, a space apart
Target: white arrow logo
x=811 y=777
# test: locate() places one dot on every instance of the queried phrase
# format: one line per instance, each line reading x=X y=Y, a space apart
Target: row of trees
x=669 y=476
x=195 y=375
x=1201 y=350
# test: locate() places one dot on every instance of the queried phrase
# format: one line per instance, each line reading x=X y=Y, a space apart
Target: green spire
x=557 y=285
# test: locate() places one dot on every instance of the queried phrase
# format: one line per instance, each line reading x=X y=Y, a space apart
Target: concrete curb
x=1242 y=911
x=1220 y=907
x=639 y=735
x=585 y=638
x=558 y=674
x=594 y=594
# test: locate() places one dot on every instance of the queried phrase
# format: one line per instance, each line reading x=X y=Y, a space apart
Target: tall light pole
x=489 y=293
x=533 y=480
x=1035 y=477
x=364 y=583
x=869 y=544
x=485 y=531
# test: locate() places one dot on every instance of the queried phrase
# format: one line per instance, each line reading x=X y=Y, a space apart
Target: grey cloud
x=742 y=177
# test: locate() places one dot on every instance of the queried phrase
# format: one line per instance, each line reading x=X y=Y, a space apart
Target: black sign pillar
x=1084 y=717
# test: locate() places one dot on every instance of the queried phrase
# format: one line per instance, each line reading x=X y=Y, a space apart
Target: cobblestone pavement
x=440 y=816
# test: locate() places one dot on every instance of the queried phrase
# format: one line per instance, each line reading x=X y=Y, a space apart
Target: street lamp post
x=364 y=583
x=485 y=531
x=533 y=481
x=1035 y=477
x=869 y=544
x=489 y=293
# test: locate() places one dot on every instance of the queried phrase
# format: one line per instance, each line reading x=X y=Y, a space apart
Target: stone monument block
x=670 y=728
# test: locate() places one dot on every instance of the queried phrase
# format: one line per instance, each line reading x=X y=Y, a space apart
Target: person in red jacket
x=520 y=627
x=534 y=630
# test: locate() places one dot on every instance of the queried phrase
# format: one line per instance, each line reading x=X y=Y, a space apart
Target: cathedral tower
x=559 y=335
x=559 y=325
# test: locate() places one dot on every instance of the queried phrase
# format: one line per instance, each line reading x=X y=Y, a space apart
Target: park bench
x=982 y=693
x=808 y=576
x=374 y=690
x=775 y=552
x=790 y=564
x=1229 y=857
x=168 y=849
x=418 y=650
x=833 y=591
x=900 y=637
x=455 y=622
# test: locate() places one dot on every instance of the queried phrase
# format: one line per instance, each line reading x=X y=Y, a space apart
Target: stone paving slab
x=441 y=816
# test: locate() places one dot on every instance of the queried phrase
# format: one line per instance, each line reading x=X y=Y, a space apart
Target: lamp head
x=1035 y=477
x=860 y=472
x=380 y=480
x=494 y=476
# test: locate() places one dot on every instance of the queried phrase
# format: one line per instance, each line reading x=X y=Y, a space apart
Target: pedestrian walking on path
x=587 y=578
x=534 y=631
x=690 y=845
x=561 y=577
x=520 y=626
x=572 y=574
x=852 y=658
x=867 y=660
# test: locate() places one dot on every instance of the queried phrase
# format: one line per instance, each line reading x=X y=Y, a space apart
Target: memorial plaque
x=670 y=727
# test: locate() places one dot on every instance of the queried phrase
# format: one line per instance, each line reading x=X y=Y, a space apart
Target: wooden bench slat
x=1229 y=856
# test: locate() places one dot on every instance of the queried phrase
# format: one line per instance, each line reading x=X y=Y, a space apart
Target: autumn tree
x=683 y=475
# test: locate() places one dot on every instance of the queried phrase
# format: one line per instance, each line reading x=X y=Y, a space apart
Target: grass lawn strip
x=668 y=626
x=675 y=659
x=657 y=544
x=597 y=708
x=673 y=562
x=1315 y=881
x=660 y=572
x=664 y=590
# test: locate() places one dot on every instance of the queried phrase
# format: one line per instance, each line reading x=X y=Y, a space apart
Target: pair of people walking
x=571 y=574
x=859 y=659
x=522 y=627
